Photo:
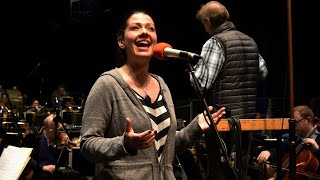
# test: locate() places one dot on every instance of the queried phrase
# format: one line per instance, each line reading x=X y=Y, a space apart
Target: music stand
x=72 y=118
x=30 y=117
x=65 y=99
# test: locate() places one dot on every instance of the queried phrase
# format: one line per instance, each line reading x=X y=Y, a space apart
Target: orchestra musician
x=36 y=107
x=56 y=96
x=69 y=107
x=304 y=118
x=52 y=153
x=35 y=115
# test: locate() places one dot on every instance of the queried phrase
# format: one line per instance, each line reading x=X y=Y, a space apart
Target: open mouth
x=142 y=43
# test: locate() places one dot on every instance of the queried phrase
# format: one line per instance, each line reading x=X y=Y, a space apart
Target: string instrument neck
x=310 y=133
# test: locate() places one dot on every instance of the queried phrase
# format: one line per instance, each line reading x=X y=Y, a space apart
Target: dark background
x=42 y=45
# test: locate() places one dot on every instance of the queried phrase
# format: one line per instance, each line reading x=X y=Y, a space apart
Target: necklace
x=143 y=87
x=147 y=98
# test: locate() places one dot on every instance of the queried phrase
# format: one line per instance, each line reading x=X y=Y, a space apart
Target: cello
x=306 y=163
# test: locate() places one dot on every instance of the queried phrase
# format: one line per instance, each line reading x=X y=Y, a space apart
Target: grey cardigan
x=109 y=103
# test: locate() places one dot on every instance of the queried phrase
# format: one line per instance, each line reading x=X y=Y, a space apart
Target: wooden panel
x=257 y=124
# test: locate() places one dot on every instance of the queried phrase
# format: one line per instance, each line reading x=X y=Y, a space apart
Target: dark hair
x=35 y=99
x=124 y=22
x=121 y=56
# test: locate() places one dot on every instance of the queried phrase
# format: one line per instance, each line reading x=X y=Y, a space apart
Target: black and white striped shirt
x=160 y=120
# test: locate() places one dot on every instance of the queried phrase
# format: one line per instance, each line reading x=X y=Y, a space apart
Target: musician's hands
x=134 y=141
x=263 y=156
x=217 y=116
x=49 y=168
x=310 y=143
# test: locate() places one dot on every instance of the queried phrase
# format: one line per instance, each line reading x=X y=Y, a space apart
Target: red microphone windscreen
x=158 y=50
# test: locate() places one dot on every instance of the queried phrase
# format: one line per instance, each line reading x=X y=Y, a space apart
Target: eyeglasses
x=299 y=120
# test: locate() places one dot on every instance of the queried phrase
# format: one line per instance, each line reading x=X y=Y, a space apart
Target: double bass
x=306 y=163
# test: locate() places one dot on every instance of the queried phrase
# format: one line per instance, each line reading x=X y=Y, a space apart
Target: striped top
x=160 y=120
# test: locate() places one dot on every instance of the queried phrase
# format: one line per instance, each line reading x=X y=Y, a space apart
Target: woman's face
x=139 y=37
x=35 y=103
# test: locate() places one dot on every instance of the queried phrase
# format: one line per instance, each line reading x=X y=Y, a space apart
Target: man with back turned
x=228 y=75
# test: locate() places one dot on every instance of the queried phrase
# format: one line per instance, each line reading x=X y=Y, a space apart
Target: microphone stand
x=212 y=125
x=34 y=69
x=292 y=154
x=279 y=163
x=56 y=120
x=43 y=79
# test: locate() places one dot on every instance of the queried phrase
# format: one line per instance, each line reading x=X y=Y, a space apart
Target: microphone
x=164 y=51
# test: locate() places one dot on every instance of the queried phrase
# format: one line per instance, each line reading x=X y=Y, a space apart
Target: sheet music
x=13 y=160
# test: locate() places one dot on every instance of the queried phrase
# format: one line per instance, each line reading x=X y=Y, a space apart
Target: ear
x=120 y=43
x=207 y=21
x=309 y=119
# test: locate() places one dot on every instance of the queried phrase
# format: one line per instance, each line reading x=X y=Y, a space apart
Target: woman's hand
x=204 y=121
x=134 y=141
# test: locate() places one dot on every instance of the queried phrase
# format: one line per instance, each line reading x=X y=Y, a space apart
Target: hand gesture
x=134 y=141
x=204 y=121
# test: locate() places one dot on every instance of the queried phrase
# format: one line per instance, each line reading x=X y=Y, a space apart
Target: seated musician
x=69 y=107
x=304 y=118
x=36 y=107
x=52 y=153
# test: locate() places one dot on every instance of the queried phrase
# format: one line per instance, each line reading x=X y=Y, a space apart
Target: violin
x=65 y=141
